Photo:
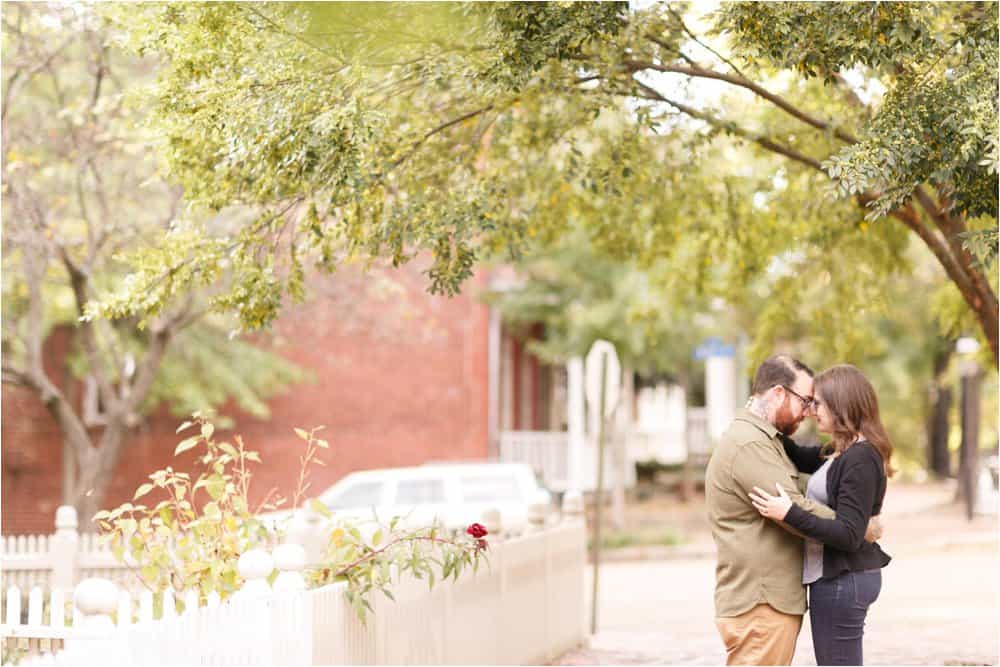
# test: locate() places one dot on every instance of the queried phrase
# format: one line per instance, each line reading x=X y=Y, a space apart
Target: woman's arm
x=855 y=497
x=806 y=459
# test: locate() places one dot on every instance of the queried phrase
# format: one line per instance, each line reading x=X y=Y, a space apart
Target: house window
x=420 y=491
x=364 y=494
x=490 y=489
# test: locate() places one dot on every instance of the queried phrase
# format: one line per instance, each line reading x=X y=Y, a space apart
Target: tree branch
x=294 y=35
x=985 y=308
x=53 y=399
x=146 y=372
x=16 y=78
x=951 y=227
x=78 y=282
x=680 y=21
x=698 y=71
x=440 y=128
x=763 y=141
x=16 y=376
x=937 y=245
x=849 y=91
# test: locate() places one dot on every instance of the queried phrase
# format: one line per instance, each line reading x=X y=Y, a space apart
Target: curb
x=642 y=553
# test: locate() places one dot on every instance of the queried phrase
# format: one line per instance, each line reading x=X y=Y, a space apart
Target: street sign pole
x=599 y=493
x=603 y=388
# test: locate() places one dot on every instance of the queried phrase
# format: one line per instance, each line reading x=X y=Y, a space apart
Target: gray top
x=812 y=564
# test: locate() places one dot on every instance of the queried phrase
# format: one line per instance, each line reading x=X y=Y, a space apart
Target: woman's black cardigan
x=855 y=487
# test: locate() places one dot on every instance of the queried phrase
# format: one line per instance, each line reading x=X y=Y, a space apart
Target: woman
x=842 y=570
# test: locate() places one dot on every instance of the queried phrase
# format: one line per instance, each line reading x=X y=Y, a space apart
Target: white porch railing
x=699 y=444
x=548 y=453
x=531 y=590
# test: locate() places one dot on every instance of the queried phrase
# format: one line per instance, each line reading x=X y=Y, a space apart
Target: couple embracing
x=777 y=535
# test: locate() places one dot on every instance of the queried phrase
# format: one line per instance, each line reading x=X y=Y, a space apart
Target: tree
x=579 y=296
x=822 y=315
x=79 y=190
x=467 y=130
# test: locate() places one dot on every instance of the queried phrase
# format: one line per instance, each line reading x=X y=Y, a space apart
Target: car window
x=482 y=489
x=362 y=494
x=419 y=491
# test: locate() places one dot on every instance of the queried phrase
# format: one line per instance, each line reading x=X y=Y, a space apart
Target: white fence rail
x=531 y=589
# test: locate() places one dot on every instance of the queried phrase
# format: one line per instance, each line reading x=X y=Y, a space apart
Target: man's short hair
x=777 y=369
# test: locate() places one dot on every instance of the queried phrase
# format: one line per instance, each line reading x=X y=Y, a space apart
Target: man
x=759 y=596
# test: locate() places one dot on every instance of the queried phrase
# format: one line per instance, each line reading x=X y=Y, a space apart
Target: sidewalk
x=939 y=603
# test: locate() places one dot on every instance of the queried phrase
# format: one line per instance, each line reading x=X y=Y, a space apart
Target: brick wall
x=401 y=378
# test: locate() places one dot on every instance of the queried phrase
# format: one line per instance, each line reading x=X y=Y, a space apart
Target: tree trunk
x=938 y=425
x=96 y=472
x=969 y=459
x=986 y=312
x=68 y=472
x=938 y=458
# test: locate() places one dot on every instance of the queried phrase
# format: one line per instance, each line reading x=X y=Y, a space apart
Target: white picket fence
x=61 y=559
x=532 y=589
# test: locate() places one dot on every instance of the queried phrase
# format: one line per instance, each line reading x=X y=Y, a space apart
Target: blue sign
x=713 y=347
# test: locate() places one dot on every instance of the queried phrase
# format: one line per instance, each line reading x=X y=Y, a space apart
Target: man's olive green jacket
x=759 y=560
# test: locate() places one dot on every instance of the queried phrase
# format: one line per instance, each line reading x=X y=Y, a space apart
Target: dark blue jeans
x=837 y=611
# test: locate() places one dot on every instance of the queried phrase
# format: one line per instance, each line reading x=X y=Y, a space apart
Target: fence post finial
x=537 y=516
x=491 y=522
x=66 y=521
x=290 y=559
x=96 y=599
x=63 y=548
x=572 y=505
x=255 y=566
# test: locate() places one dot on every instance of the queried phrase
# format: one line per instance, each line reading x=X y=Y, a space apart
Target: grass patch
x=648 y=537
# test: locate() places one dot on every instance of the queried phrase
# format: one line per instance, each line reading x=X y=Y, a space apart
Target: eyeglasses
x=807 y=401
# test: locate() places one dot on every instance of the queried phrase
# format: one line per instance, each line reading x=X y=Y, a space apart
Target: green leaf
x=212 y=511
x=183 y=426
x=150 y=573
x=128 y=526
x=207 y=429
x=215 y=486
x=185 y=445
x=301 y=433
x=317 y=506
x=142 y=490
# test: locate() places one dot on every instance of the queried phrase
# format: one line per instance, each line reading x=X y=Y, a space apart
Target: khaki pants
x=761 y=636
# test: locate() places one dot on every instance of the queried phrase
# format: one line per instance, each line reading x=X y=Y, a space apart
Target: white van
x=454 y=494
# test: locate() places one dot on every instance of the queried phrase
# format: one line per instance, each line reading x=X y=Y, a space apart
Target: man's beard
x=783 y=419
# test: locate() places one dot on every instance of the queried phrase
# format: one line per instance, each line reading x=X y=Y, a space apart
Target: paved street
x=939 y=602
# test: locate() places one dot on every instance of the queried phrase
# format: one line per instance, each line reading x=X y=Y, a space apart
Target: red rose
x=476 y=530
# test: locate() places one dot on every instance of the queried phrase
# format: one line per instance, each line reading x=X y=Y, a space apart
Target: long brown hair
x=854 y=408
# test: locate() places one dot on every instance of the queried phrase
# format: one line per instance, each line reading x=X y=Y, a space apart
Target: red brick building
x=402 y=377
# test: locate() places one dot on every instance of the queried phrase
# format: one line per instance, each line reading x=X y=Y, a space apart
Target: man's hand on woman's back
x=874 y=531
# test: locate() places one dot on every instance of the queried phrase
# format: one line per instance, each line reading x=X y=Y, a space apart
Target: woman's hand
x=773 y=507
